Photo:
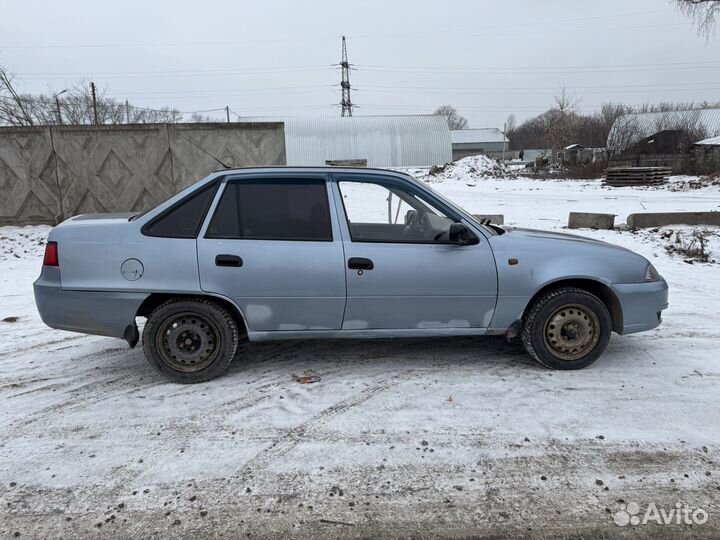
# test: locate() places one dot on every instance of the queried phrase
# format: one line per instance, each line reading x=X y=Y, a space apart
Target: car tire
x=190 y=340
x=567 y=328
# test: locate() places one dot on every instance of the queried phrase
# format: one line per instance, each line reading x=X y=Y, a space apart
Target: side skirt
x=365 y=333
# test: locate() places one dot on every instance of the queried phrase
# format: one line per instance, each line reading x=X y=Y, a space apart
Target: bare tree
x=565 y=102
x=511 y=123
x=624 y=133
x=454 y=120
x=605 y=121
x=75 y=106
x=11 y=104
x=704 y=13
x=561 y=121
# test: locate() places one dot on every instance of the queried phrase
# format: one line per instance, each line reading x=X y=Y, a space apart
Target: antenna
x=345 y=101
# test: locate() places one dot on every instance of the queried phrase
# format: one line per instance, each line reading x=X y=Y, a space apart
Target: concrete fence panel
x=29 y=191
x=108 y=169
x=50 y=173
x=195 y=148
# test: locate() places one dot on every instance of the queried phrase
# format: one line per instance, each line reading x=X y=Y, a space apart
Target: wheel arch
x=593 y=286
x=154 y=300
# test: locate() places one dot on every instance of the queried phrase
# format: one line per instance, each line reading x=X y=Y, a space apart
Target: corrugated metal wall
x=384 y=141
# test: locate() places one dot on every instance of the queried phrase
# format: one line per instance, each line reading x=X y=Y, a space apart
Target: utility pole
x=504 y=130
x=57 y=105
x=127 y=112
x=94 y=102
x=227 y=113
x=345 y=101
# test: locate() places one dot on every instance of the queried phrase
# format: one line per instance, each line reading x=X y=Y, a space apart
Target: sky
x=488 y=58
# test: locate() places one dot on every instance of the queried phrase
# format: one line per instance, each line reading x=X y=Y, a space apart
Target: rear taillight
x=51 y=255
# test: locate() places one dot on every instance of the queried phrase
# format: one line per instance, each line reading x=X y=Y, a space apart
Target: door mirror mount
x=460 y=235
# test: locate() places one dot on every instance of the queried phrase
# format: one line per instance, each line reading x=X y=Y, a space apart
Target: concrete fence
x=50 y=173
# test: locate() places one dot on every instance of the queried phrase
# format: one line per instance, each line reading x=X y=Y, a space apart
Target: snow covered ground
x=415 y=438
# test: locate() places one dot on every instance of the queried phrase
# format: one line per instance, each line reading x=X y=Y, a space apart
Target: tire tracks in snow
x=295 y=435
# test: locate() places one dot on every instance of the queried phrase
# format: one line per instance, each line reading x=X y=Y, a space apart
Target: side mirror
x=459 y=234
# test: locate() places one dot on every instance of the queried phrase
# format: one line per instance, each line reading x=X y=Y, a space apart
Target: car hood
x=533 y=234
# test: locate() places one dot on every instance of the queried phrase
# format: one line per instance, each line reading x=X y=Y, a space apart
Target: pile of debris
x=692 y=183
x=468 y=170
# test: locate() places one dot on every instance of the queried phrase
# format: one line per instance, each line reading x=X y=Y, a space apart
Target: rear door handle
x=360 y=263
x=228 y=260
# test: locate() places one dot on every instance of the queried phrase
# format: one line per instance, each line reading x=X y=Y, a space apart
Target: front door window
x=379 y=213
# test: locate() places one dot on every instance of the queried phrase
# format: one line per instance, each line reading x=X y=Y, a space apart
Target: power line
x=573 y=87
x=186 y=71
x=480 y=31
x=171 y=74
x=531 y=92
x=484 y=70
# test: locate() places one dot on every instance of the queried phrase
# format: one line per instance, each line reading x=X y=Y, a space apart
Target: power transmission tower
x=345 y=102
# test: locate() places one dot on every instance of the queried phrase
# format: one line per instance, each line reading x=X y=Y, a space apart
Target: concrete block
x=659 y=219
x=586 y=220
x=497 y=219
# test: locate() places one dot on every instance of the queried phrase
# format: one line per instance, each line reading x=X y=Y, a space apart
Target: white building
x=471 y=142
x=381 y=141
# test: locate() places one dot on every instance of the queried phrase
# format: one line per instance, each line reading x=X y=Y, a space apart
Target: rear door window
x=273 y=210
x=185 y=218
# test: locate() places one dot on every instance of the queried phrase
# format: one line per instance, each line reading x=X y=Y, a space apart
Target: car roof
x=320 y=170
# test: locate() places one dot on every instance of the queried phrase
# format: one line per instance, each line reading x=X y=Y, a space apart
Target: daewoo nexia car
x=288 y=253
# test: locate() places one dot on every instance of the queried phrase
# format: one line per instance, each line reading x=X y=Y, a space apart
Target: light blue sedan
x=299 y=253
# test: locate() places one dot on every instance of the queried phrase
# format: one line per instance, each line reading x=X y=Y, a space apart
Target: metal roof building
x=712 y=141
x=632 y=128
x=468 y=142
x=384 y=141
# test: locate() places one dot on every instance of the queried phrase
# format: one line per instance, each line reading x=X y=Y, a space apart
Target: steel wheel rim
x=188 y=342
x=571 y=332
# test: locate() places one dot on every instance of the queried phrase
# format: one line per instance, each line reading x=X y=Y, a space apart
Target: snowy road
x=444 y=438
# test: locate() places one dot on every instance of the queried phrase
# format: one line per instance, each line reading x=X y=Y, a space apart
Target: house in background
x=661 y=132
x=663 y=139
x=706 y=155
x=471 y=142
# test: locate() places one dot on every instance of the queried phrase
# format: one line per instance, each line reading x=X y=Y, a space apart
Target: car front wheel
x=567 y=328
x=190 y=340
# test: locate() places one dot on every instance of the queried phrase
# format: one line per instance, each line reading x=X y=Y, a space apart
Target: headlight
x=651 y=274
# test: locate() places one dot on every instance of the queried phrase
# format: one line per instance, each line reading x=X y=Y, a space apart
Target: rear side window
x=273 y=210
x=185 y=218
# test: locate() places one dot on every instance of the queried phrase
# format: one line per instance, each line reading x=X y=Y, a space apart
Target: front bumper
x=89 y=312
x=642 y=304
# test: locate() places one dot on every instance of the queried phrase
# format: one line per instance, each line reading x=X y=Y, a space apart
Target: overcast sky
x=488 y=58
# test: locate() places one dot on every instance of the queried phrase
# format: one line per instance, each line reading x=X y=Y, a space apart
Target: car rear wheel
x=189 y=340
x=567 y=328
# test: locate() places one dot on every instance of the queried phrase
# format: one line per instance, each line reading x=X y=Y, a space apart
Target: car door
x=272 y=245
x=402 y=272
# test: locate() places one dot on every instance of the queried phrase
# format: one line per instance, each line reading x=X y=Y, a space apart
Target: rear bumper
x=89 y=312
x=642 y=304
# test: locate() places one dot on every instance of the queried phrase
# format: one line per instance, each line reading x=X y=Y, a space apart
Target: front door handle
x=228 y=260
x=360 y=263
